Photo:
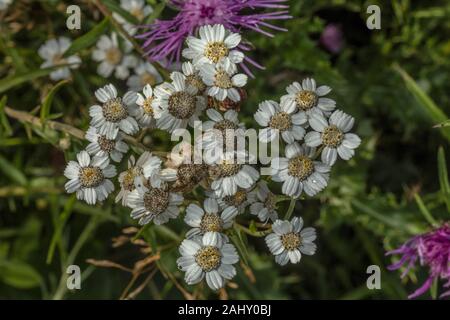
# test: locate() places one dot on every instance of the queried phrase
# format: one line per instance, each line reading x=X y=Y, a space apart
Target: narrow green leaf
x=12 y=172
x=3 y=118
x=46 y=104
x=88 y=39
x=157 y=10
x=239 y=240
x=443 y=124
x=443 y=177
x=115 y=7
x=19 y=275
x=424 y=210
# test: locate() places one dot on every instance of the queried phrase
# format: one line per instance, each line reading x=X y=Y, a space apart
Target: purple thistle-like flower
x=431 y=249
x=163 y=40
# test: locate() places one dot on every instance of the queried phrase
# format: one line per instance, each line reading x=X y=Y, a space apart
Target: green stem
x=290 y=209
x=253 y=233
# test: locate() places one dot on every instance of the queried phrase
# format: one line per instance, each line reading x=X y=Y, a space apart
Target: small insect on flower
x=104 y=147
x=89 y=177
x=280 y=120
x=308 y=98
x=288 y=241
x=52 y=52
x=176 y=105
x=112 y=58
x=208 y=219
x=333 y=135
x=138 y=9
x=210 y=257
x=299 y=172
x=143 y=112
x=223 y=81
x=144 y=74
x=114 y=113
x=265 y=205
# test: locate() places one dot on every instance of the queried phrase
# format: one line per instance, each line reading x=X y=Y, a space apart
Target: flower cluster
x=209 y=90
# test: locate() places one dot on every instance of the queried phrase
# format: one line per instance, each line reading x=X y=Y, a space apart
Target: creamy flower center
x=271 y=202
x=306 y=99
x=189 y=175
x=291 y=241
x=58 y=59
x=215 y=51
x=300 y=167
x=113 y=56
x=128 y=178
x=222 y=80
x=227 y=169
x=114 y=110
x=147 y=78
x=208 y=258
x=225 y=124
x=195 y=81
x=106 y=145
x=138 y=13
x=147 y=106
x=182 y=105
x=281 y=121
x=211 y=222
x=91 y=177
x=237 y=199
x=156 y=200
x=332 y=136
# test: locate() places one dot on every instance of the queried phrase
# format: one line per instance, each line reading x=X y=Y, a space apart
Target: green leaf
x=88 y=39
x=3 y=118
x=115 y=7
x=443 y=124
x=443 y=177
x=424 y=210
x=12 y=172
x=46 y=104
x=157 y=10
x=240 y=241
x=19 y=275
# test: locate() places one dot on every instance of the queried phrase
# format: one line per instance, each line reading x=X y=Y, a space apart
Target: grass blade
x=88 y=39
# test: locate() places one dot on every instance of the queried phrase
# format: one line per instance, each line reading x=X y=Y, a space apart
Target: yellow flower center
x=208 y=258
x=300 y=167
x=156 y=200
x=114 y=110
x=215 y=51
x=182 y=105
x=291 y=241
x=332 y=136
x=113 y=56
x=211 y=222
x=223 y=80
x=91 y=177
x=306 y=99
x=281 y=121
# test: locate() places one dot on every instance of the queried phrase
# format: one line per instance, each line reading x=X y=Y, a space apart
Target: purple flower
x=163 y=40
x=332 y=38
x=431 y=249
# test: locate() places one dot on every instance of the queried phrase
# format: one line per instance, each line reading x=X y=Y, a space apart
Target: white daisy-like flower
x=144 y=74
x=208 y=218
x=288 y=241
x=215 y=44
x=210 y=257
x=138 y=9
x=52 y=52
x=4 y=4
x=193 y=77
x=334 y=135
x=113 y=58
x=265 y=205
x=223 y=80
x=155 y=204
x=176 y=105
x=89 y=177
x=239 y=201
x=309 y=98
x=144 y=110
x=280 y=119
x=114 y=113
x=103 y=147
x=299 y=172
x=230 y=172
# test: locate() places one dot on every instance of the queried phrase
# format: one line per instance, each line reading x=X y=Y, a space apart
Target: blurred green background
x=394 y=81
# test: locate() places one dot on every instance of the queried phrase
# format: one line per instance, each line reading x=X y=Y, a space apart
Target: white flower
x=265 y=207
x=215 y=45
x=4 y=4
x=112 y=58
x=211 y=257
x=208 y=219
x=176 y=105
x=144 y=74
x=154 y=203
x=239 y=201
x=138 y=9
x=193 y=77
x=144 y=111
x=231 y=172
x=288 y=241
x=52 y=52
x=333 y=135
x=88 y=177
x=308 y=98
x=299 y=172
x=280 y=119
x=103 y=147
x=223 y=80
x=114 y=113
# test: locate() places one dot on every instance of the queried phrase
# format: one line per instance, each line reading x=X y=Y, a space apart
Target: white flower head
x=113 y=58
x=210 y=257
x=114 y=113
x=193 y=77
x=239 y=201
x=103 y=147
x=144 y=74
x=89 y=177
x=155 y=204
x=265 y=205
x=177 y=105
x=280 y=119
x=209 y=218
x=309 y=98
x=138 y=9
x=299 y=172
x=215 y=45
x=144 y=110
x=288 y=241
x=52 y=52
x=334 y=135
x=222 y=80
